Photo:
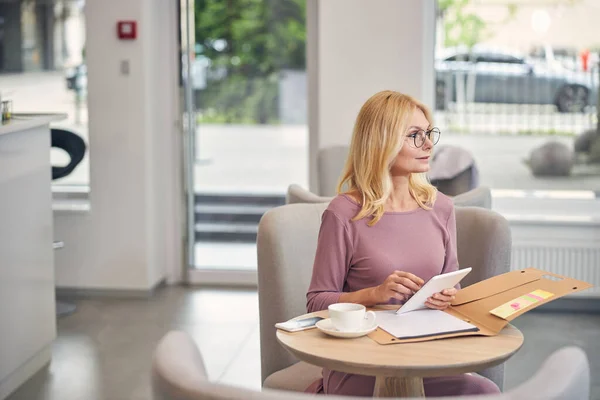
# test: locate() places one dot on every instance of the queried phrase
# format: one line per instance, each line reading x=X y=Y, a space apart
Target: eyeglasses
x=420 y=136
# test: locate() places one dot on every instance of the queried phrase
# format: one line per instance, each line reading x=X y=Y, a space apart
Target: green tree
x=460 y=26
x=464 y=28
x=248 y=43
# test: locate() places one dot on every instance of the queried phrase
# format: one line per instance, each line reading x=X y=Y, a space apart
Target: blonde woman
x=388 y=232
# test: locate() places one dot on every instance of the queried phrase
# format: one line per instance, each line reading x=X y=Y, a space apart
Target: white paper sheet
x=421 y=323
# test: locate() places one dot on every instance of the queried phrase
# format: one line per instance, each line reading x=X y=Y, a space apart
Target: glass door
x=245 y=95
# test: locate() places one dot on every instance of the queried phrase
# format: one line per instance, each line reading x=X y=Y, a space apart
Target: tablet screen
x=434 y=285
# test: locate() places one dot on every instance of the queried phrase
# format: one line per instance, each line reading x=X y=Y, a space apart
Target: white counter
x=27 y=306
x=21 y=122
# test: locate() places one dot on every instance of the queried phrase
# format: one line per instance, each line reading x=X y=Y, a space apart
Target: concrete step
x=230 y=213
x=241 y=199
x=220 y=209
x=231 y=218
x=226 y=232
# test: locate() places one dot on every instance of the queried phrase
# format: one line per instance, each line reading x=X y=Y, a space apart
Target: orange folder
x=508 y=295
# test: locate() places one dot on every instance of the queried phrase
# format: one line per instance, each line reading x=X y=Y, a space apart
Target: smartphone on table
x=296 y=325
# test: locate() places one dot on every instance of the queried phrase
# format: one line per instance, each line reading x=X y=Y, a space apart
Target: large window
x=517 y=87
x=249 y=79
x=42 y=67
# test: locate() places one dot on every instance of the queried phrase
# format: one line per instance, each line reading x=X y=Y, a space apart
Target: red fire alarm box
x=126 y=30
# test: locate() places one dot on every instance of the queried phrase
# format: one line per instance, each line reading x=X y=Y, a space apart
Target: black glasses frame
x=419 y=136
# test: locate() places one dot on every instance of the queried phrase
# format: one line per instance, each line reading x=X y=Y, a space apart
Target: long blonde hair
x=376 y=141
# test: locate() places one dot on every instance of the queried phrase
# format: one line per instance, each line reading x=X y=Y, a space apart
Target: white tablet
x=434 y=285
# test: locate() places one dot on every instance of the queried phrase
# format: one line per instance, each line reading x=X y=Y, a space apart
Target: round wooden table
x=400 y=368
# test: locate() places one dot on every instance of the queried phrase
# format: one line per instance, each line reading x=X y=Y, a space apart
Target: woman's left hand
x=441 y=300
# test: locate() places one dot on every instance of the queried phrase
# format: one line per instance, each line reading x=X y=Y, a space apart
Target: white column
x=132 y=237
x=356 y=48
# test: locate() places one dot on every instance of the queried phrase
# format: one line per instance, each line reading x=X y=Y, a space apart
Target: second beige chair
x=178 y=373
x=331 y=160
x=330 y=163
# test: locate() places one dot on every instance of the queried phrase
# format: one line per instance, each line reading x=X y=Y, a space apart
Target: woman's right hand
x=399 y=285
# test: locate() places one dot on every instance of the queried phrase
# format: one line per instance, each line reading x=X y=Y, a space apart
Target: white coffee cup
x=350 y=317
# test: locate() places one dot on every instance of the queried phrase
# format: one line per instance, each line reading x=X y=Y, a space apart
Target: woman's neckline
x=353 y=201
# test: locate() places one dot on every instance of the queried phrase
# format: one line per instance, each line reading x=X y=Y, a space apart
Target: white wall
x=164 y=165
x=132 y=238
x=357 y=48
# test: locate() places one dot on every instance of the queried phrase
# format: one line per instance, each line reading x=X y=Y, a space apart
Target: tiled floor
x=104 y=350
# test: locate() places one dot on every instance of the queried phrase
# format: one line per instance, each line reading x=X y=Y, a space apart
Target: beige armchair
x=478 y=197
x=330 y=164
x=297 y=194
x=178 y=373
x=453 y=169
x=287 y=240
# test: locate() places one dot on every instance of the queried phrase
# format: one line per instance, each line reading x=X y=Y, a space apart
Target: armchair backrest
x=286 y=245
x=330 y=164
x=297 y=194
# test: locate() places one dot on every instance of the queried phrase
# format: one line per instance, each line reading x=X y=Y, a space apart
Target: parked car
x=505 y=77
x=564 y=57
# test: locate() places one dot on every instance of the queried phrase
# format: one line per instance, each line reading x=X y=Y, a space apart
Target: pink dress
x=352 y=256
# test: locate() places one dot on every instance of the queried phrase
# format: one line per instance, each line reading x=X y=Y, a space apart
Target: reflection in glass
x=42 y=67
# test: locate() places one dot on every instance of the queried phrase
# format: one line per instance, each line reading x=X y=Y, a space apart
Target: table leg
x=386 y=386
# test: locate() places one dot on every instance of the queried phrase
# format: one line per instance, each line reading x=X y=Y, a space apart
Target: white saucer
x=327 y=327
